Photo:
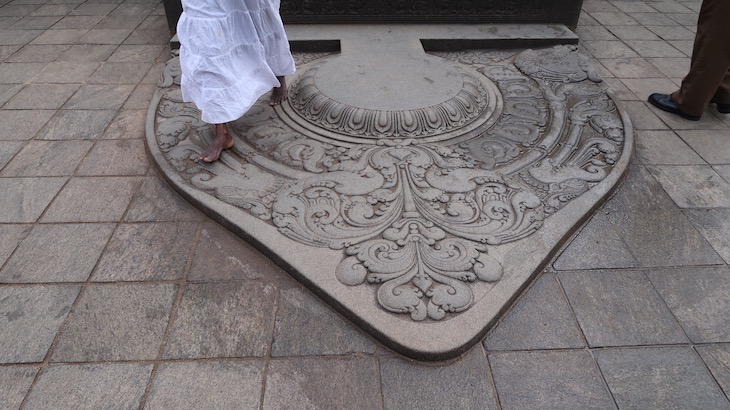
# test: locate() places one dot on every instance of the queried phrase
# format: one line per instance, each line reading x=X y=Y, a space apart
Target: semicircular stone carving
x=423 y=223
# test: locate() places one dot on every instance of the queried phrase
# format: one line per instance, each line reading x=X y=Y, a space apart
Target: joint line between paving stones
x=381 y=404
x=173 y=312
x=490 y=376
x=269 y=348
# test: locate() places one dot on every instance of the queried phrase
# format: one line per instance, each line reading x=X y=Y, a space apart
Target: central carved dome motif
x=442 y=102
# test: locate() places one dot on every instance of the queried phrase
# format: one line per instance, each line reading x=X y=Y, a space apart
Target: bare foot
x=222 y=141
x=279 y=94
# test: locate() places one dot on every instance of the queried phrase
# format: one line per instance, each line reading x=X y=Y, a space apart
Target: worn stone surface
x=693 y=186
x=620 y=308
x=24 y=199
x=57 y=253
x=43 y=97
x=207 y=385
x=76 y=124
x=385 y=192
x=465 y=384
x=47 y=158
x=561 y=379
x=91 y=386
x=713 y=224
x=322 y=383
x=664 y=148
x=99 y=96
x=118 y=157
x=541 y=319
x=660 y=377
x=711 y=145
x=600 y=239
x=223 y=320
x=8 y=149
x=155 y=201
x=10 y=237
x=116 y=322
x=146 y=251
x=127 y=124
x=306 y=327
x=86 y=199
x=717 y=359
x=66 y=72
x=14 y=384
x=30 y=318
x=698 y=299
x=640 y=192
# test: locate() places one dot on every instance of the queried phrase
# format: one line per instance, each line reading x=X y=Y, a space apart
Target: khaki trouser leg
x=709 y=75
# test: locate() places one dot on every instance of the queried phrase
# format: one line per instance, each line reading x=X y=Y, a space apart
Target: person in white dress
x=231 y=53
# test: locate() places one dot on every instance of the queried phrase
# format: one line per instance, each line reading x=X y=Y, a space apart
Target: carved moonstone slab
x=419 y=212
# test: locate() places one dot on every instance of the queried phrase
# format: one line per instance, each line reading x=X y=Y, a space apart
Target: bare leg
x=222 y=141
x=279 y=94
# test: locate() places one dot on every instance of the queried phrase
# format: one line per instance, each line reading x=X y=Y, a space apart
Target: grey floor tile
x=673 y=32
x=116 y=21
x=30 y=317
x=35 y=23
x=24 y=199
x=713 y=146
x=541 y=319
x=147 y=251
x=156 y=201
x=92 y=386
x=93 y=199
x=654 y=48
x=633 y=32
x=61 y=36
x=653 y=19
x=8 y=149
x=558 y=380
x=673 y=67
x=693 y=186
x=7 y=91
x=644 y=87
x=104 y=36
x=38 y=53
x=639 y=192
x=120 y=73
x=140 y=97
x=94 y=9
x=708 y=121
x=53 y=10
x=723 y=171
x=19 y=73
x=77 y=22
x=659 y=378
x=350 y=383
x=220 y=255
x=41 y=96
x=207 y=385
x=663 y=238
x=631 y=68
x=99 y=97
x=115 y=157
x=10 y=237
x=14 y=384
x=128 y=124
x=116 y=322
x=47 y=158
x=642 y=117
x=698 y=299
x=609 y=49
x=594 y=33
x=463 y=384
x=66 y=72
x=664 y=148
x=305 y=326
x=717 y=359
x=223 y=320
x=77 y=125
x=159 y=35
x=57 y=253
x=136 y=53
x=620 y=309
x=8 y=50
x=597 y=246
x=87 y=52
x=10 y=37
x=18 y=9
x=714 y=225
x=613 y=18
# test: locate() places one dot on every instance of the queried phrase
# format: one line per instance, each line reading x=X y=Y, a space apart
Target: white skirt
x=231 y=52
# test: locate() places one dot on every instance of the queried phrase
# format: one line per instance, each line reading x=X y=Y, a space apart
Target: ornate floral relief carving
x=417 y=220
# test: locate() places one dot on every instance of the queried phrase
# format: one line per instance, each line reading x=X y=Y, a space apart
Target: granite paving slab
x=92 y=199
x=115 y=157
x=25 y=199
x=717 y=359
x=47 y=158
x=38 y=53
x=8 y=149
x=87 y=52
x=620 y=309
x=462 y=385
x=207 y=385
x=66 y=72
x=41 y=97
x=713 y=146
x=10 y=237
x=713 y=224
x=305 y=327
x=14 y=384
x=408 y=220
x=57 y=253
x=7 y=91
x=155 y=201
x=693 y=186
x=76 y=124
x=60 y=36
x=697 y=298
x=659 y=377
x=30 y=317
x=223 y=320
x=90 y=386
x=335 y=383
x=99 y=97
x=19 y=73
x=541 y=319
x=126 y=124
x=549 y=379
x=22 y=125
x=664 y=148
x=116 y=322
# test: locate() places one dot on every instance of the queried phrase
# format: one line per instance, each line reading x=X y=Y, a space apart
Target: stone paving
x=116 y=293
